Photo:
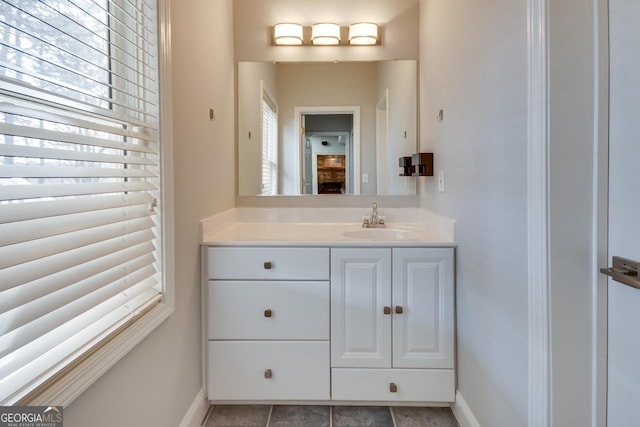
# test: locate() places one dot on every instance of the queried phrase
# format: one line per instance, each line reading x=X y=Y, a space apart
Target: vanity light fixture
x=363 y=34
x=325 y=33
x=287 y=34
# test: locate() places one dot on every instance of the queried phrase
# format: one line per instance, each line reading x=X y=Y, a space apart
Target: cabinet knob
x=267 y=265
x=399 y=309
x=268 y=312
x=268 y=374
x=386 y=310
x=393 y=388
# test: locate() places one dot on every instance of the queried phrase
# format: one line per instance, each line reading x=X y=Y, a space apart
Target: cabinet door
x=360 y=291
x=423 y=308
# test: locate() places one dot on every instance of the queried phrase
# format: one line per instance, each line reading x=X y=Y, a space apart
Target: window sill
x=66 y=389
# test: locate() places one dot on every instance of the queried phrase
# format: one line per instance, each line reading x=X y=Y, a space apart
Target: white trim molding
x=538 y=215
x=166 y=147
x=600 y=255
x=462 y=412
x=197 y=411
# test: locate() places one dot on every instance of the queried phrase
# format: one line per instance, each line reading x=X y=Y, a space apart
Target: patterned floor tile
x=362 y=416
x=423 y=417
x=238 y=416
x=297 y=416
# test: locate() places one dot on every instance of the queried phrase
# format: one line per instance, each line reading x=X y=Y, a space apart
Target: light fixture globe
x=287 y=34
x=325 y=33
x=363 y=33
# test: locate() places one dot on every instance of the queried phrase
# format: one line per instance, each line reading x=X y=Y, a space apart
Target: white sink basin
x=381 y=234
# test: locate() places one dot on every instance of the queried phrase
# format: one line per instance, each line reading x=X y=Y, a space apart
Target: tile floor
x=327 y=416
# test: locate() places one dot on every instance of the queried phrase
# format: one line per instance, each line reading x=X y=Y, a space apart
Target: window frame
x=271 y=103
x=63 y=387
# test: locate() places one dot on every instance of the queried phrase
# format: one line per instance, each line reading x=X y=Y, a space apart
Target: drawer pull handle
x=393 y=388
x=268 y=374
x=399 y=309
x=267 y=265
x=268 y=312
x=387 y=310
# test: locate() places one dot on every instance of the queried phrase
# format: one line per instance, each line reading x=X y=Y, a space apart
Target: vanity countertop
x=325 y=227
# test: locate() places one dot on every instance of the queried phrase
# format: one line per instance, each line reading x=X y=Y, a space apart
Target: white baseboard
x=197 y=411
x=463 y=413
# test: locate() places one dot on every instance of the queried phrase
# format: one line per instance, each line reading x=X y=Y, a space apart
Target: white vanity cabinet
x=346 y=324
x=267 y=323
x=392 y=324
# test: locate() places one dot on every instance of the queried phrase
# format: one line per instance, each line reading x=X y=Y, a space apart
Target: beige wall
x=473 y=58
x=155 y=384
x=474 y=67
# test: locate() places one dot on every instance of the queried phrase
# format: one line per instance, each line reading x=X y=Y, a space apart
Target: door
x=360 y=308
x=423 y=313
x=623 y=394
x=307 y=167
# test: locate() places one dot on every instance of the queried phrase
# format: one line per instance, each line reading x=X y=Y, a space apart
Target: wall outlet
x=441 y=181
x=365 y=178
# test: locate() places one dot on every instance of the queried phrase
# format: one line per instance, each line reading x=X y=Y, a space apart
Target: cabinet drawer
x=413 y=385
x=268 y=310
x=268 y=263
x=237 y=370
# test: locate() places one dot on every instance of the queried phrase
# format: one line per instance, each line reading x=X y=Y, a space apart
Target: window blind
x=269 y=146
x=80 y=180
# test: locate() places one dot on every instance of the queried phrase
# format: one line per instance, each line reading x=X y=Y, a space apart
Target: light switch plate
x=365 y=178
x=441 y=181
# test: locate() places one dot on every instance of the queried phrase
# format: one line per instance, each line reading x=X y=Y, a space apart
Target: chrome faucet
x=374 y=214
x=374 y=221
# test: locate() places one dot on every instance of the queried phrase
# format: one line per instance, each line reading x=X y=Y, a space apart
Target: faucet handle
x=381 y=219
x=365 y=221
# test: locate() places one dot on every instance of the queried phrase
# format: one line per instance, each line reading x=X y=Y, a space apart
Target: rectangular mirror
x=326 y=128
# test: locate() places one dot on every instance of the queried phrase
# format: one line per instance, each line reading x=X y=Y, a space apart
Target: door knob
x=393 y=388
x=399 y=309
x=268 y=312
x=386 y=310
x=624 y=271
x=268 y=374
x=267 y=265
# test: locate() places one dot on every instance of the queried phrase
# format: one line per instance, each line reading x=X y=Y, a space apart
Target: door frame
x=600 y=253
x=539 y=375
x=298 y=112
x=540 y=404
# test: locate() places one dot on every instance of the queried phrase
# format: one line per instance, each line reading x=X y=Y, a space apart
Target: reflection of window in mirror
x=269 y=146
